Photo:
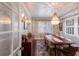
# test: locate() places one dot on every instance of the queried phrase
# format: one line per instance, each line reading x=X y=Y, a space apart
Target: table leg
x=55 y=49
x=69 y=45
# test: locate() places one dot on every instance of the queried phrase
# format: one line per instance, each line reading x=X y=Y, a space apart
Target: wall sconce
x=25 y=21
x=55 y=20
x=28 y=21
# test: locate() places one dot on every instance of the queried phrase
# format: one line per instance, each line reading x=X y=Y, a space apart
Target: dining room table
x=58 y=41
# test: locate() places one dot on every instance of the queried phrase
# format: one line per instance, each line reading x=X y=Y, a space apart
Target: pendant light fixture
x=55 y=19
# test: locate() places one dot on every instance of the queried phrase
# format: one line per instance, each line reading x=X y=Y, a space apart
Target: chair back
x=71 y=51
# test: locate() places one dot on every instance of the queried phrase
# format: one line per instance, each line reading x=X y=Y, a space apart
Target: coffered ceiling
x=47 y=9
x=39 y=9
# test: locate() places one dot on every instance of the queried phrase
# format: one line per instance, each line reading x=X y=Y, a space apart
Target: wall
x=69 y=16
x=10 y=33
x=35 y=29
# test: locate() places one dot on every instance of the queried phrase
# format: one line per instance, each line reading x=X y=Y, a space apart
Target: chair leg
x=77 y=53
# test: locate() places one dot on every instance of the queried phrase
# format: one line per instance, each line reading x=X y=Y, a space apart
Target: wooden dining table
x=58 y=41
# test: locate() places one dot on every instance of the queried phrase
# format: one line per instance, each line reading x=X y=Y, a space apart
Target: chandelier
x=55 y=19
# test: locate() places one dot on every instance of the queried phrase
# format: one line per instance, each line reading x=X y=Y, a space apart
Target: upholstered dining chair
x=68 y=51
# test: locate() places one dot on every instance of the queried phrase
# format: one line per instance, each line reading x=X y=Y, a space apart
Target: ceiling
x=39 y=9
x=47 y=9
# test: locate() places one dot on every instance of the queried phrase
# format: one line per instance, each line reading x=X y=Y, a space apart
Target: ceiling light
x=55 y=20
x=22 y=15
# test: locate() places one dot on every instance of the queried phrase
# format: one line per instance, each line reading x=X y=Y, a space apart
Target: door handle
x=22 y=48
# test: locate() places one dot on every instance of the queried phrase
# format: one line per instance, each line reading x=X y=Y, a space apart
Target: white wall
x=10 y=34
x=72 y=15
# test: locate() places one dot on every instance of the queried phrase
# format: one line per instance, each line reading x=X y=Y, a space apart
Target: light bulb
x=55 y=20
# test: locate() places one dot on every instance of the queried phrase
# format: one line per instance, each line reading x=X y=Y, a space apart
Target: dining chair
x=68 y=51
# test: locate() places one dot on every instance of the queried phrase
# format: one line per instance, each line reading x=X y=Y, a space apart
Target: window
x=78 y=25
x=41 y=27
x=78 y=20
x=44 y=27
x=78 y=30
x=70 y=26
